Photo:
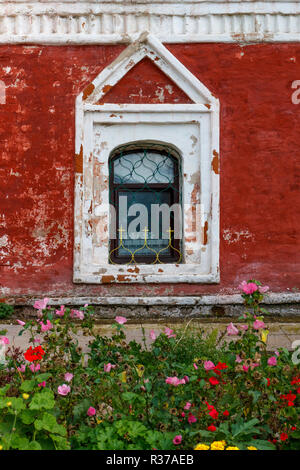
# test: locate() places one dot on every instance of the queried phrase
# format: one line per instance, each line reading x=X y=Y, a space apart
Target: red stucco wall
x=259 y=149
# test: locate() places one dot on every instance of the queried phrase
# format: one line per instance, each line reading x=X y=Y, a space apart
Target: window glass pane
x=139 y=204
x=146 y=167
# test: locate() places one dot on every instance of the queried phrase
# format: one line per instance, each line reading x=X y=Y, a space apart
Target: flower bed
x=185 y=391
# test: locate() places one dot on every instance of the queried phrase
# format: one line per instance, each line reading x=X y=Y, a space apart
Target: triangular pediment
x=145 y=83
x=147 y=48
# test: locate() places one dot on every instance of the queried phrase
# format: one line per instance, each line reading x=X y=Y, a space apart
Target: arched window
x=146 y=201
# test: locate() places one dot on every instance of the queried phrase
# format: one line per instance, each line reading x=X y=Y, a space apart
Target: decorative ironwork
x=145 y=245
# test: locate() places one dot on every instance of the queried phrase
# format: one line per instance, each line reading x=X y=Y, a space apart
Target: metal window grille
x=144 y=179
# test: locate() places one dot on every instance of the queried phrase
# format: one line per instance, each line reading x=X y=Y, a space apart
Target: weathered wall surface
x=259 y=162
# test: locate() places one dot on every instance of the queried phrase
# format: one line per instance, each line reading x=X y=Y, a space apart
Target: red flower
x=283 y=436
x=295 y=380
x=268 y=382
x=289 y=397
x=298 y=390
x=213 y=381
x=35 y=354
x=226 y=413
x=294 y=428
x=211 y=428
x=214 y=414
x=209 y=407
x=221 y=366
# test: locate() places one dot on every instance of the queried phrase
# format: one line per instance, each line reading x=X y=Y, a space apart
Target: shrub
x=5 y=310
x=187 y=390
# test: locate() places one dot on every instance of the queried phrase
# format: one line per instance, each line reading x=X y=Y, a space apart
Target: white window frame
x=201 y=253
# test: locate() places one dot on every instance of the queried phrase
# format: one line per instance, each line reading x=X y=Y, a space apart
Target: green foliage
x=125 y=396
x=5 y=310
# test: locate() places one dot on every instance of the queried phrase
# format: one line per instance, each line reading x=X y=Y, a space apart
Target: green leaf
x=27 y=385
x=18 y=442
x=34 y=445
x=3 y=390
x=261 y=444
x=60 y=443
x=17 y=403
x=42 y=400
x=49 y=423
x=27 y=416
x=42 y=377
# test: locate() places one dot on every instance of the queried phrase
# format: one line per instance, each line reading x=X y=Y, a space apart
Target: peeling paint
x=88 y=91
x=215 y=162
x=79 y=161
x=205 y=235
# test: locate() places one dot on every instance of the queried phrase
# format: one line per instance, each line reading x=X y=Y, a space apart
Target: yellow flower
x=140 y=370
x=251 y=448
x=232 y=448
x=8 y=403
x=123 y=376
x=25 y=396
x=1 y=447
x=217 y=445
x=201 y=447
x=99 y=421
x=264 y=335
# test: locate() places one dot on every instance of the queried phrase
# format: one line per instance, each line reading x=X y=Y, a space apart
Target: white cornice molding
x=278 y=298
x=120 y=21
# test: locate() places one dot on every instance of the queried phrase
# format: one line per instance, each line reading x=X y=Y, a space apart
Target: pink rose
x=245 y=368
x=121 y=320
x=91 y=411
x=22 y=323
x=209 y=365
x=63 y=390
x=68 y=376
x=195 y=366
x=248 y=288
x=232 y=330
x=4 y=340
x=175 y=381
x=244 y=327
x=34 y=368
x=254 y=364
x=263 y=289
x=177 y=440
x=77 y=314
x=108 y=367
x=238 y=359
x=192 y=418
x=169 y=333
x=41 y=304
x=46 y=326
x=42 y=384
x=272 y=361
x=152 y=335
x=187 y=405
x=258 y=324
x=61 y=311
